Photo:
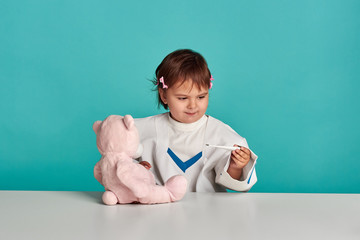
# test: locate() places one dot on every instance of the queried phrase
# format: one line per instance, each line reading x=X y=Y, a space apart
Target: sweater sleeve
x=247 y=180
x=248 y=177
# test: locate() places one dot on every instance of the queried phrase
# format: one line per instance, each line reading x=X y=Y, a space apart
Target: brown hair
x=179 y=66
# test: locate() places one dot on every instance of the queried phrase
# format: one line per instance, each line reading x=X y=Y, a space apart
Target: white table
x=81 y=215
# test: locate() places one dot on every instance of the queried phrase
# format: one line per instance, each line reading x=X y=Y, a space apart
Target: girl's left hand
x=240 y=157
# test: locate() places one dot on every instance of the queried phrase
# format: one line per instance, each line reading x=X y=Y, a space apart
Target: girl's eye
x=183 y=98
x=201 y=97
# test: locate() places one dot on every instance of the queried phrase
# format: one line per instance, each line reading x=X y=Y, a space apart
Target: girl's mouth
x=191 y=114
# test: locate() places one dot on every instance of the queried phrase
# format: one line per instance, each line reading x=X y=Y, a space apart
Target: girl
x=176 y=142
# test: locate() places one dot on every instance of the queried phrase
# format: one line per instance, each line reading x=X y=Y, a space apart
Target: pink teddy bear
x=124 y=180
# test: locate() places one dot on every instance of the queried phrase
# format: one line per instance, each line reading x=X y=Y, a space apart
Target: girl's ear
x=162 y=94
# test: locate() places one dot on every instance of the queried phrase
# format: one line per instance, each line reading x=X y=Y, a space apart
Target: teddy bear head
x=117 y=134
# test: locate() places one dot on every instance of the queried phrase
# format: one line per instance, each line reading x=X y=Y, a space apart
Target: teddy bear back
x=117 y=134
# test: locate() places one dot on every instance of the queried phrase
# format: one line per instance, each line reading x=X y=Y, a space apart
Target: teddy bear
x=124 y=179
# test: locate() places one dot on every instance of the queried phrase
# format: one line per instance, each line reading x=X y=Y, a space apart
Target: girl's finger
x=239 y=158
x=242 y=154
x=236 y=156
x=244 y=149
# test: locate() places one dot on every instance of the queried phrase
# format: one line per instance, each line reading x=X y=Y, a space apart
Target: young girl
x=176 y=142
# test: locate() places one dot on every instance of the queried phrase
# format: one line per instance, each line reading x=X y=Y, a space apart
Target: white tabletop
x=81 y=215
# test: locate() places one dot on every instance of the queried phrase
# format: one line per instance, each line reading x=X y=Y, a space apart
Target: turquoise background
x=286 y=75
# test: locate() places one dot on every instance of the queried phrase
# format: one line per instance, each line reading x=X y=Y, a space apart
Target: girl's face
x=186 y=102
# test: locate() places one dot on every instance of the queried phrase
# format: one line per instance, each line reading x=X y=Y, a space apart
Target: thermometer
x=223 y=147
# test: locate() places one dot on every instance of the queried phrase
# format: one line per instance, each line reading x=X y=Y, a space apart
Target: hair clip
x=161 y=80
x=211 y=79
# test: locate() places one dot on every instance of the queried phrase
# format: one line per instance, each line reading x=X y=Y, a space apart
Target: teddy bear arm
x=97 y=172
x=133 y=179
x=139 y=189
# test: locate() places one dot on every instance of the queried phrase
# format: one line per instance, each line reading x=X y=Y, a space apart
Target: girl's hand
x=239 y=158
x=146 y=164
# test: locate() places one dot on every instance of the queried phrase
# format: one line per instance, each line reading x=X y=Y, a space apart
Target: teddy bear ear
x=129 y=121
x=96 y=126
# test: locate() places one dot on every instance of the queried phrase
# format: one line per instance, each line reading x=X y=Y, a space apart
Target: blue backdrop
x=286 y=78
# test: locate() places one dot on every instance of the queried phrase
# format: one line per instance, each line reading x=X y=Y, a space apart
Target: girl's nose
x=192 y=104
